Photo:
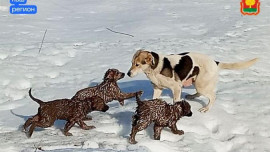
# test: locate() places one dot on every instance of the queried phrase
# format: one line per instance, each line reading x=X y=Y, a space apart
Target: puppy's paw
x=180 y=132
x=27 y=134
x=132 y=141
x=89 y=127
x=122 y=102
x=139 y=93
x=157 y=138
x=68 y=134
x=87 y=118
x=24 y=130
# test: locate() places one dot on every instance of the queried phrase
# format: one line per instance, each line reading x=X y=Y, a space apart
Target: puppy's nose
x=190 y=114
x=129 y=73
x=105 y=109
x=123 y=75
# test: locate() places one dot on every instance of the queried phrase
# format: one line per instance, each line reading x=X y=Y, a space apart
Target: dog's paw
x=87 y=118
x=180 y=132
x=132 y=141
x=204 y=109
x=27 y=134
x=122 y=102
x=24 y=130
x=139 y=93
x=68 y=134
x=89 y=127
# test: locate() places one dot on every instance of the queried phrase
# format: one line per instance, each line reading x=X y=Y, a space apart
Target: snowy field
x=78 y=49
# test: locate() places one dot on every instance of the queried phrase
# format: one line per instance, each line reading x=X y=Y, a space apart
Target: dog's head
x=141 y=61
x=113 y=75
x=97 y=104
x=185 y=108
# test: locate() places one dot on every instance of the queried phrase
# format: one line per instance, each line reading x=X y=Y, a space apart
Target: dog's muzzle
x=189 y=114
x=105 y=108
x=122 y=75
x=129 y=73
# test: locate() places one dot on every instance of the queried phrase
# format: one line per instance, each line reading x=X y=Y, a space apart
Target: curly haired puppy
x=159 y=112
x=72 y=111
x=108 y=90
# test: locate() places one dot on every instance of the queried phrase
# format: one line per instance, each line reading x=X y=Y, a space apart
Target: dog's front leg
x=132 y=135
x=84 y=126
x=157 y=92
x=176 y=90
x=27 y=124
x=122 y=96
x=30 y=132
x=157 y=132
x=175 y=130
x=68 y=126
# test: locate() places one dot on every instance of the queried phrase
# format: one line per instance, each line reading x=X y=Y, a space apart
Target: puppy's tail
x=237 y=65
x=35 y=99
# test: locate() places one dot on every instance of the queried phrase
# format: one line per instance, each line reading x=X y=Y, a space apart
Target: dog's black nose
x=129 y=73
x=105 y=109
x=123 y=75
x=189 y=114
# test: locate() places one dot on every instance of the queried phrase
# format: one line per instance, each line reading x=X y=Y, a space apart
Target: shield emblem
x=250 y=7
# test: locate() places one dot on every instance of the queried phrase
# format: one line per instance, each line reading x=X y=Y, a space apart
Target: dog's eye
x=137 y=64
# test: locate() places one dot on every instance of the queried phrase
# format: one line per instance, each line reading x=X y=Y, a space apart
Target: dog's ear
x=186 y=108
x=150 y=59
x=184 y=103
x=109 y=75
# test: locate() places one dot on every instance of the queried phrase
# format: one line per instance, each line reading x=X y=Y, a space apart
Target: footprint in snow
x=213 y=126
x=3 y=56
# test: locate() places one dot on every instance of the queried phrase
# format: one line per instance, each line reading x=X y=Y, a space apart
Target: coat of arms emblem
x=250 y=7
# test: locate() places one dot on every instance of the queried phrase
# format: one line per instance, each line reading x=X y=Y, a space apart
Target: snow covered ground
x=78 y=49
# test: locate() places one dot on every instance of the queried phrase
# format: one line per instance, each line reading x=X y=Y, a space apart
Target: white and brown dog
x=178 y=70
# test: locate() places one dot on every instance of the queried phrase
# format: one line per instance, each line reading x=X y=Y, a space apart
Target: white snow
x=78 y=49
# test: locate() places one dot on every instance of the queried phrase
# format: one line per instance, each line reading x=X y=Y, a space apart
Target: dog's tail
x=35 y=99
x=237 y=65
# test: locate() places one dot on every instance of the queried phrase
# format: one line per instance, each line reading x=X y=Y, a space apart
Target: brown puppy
x=72 y=111
x=108 y=90
x=159 y=112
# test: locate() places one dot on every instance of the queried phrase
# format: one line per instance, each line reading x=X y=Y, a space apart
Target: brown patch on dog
x=159 y=112
x=183 y=67
x=167 y=68
x=155 y=61
x=195 y=72
x=184 y=53
x=142 y=57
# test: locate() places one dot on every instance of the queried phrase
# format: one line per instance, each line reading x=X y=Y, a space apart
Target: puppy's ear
x=109 y=75
x=150 y=59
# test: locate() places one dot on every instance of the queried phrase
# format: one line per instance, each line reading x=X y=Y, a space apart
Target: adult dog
x=177 y=70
